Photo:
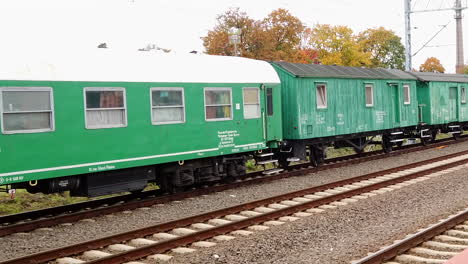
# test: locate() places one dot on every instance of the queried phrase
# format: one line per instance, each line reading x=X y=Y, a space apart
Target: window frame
x=404 y=94
x=269 y=101
x=28 y=89
x=205 y=105
x=105 y=89
x=154 y=107
x=371 y=85
x=463 y=94
x=259 y=102
x=317 y=84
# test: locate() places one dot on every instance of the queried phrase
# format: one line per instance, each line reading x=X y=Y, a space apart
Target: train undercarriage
x=179 y=176
x=314 y=150
x=170 y=177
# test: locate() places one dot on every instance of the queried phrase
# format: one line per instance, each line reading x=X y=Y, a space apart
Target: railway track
x=225 y=224
x=28 y=221
x=434 y=244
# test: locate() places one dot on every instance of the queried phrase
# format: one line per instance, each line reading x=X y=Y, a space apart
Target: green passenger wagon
x=442 y=101
x=346 y=106
x=110 y=122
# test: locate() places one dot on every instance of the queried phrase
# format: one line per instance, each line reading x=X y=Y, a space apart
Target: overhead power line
x=458 y=8
x=427 y=42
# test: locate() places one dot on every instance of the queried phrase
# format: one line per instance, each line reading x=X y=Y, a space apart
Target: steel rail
x=62 y=214
x=161 y=246
x=414 y=240
x=223 y=229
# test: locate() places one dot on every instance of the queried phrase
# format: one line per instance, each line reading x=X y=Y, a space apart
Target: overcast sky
x=78 y=25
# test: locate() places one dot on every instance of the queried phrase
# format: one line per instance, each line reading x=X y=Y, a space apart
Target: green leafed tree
x=338 y=45
x=384 y=46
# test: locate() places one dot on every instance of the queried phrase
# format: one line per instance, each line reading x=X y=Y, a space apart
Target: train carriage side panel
x=317 y=104
x=442 y=97
x=206 y=129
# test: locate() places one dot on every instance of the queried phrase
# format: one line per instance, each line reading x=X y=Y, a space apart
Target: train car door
x=453 y=104
x=269 y=111
x=271 y=114
x=395 y=91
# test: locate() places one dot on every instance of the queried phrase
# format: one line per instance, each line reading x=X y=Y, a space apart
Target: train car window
x=251 y=102
x=463 y=95
x=105 y=107
x=407 y=94
x=218 y=104
x=27 y=109
x=369 y=95
x=167 y=105
x=269 y=95
x=321 y=95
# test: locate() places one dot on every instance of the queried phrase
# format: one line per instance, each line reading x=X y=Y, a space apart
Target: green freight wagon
x=344 y=106
x=107 y=122
x=442 y=102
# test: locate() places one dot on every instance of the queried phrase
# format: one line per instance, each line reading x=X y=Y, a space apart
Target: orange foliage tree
x=283 y=37
x=277 y=37
x=217 y=40
x=432 y=64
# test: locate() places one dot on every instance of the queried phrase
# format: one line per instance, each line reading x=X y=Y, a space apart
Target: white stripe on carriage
x=105 y=162
x=248 y=145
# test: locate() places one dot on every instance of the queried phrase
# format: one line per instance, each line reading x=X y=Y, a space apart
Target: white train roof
x=139 y=66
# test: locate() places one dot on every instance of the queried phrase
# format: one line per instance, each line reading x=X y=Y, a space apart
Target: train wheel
x=316 y=155
x=425 y=141
x=434 y=135
x=386 y=144
x=283 y=163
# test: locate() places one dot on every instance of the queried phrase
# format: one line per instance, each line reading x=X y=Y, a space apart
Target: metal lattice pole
x=458 y=18
x=408 y=62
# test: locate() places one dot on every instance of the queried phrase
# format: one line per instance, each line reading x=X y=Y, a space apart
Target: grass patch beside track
x=25 y=201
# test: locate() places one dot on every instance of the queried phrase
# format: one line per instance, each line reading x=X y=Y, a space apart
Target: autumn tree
x=465 y=69
x=217 y=40
x=284 y=30
x=432 y=64
x=338 y=45
x=277 y=37
x=384 y=46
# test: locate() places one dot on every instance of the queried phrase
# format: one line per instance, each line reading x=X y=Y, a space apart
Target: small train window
x=167 y=105
x=26 y=109
x=463 y=95
x=407 y=94
x=218 y=104
x=321 y=95
x=269 y=95
x=105 y=107
x=251 y=102
x=369 y=95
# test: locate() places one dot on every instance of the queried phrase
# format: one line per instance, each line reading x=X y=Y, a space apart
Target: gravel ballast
x=19 y=245
x=348 y=232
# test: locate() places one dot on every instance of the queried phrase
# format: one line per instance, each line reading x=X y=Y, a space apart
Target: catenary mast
x=458 y=18
x=408 y=63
